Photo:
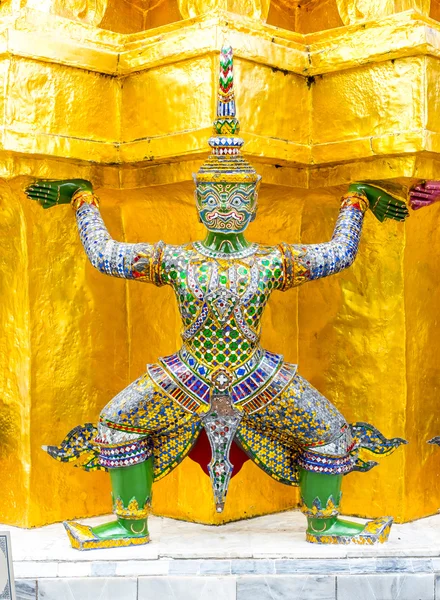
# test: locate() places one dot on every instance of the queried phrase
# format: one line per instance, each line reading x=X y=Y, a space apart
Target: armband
x=84 y=197
x=359 y=201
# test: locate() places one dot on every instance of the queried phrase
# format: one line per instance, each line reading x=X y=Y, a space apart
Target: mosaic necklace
x=225 y=255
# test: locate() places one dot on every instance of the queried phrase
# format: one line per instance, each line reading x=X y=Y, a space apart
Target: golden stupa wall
x=105 y=94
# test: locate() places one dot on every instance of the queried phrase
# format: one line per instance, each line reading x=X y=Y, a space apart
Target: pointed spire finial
x=226 y=163
x=226 y=99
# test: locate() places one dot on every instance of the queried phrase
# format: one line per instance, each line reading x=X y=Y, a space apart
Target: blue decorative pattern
x=126 y=455
x=322 y=260
x=330 y=465
x=253 y=387
x=130 y=261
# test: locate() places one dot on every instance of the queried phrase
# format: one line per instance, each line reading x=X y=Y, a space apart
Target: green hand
x=382 y=205
x=58 y=191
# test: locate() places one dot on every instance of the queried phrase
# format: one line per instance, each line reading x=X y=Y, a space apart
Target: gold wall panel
x=304 y=16
x=123 y=17
x=47 y=111
x=49 y=100
x=344 y=110
x=432 y=71
x=352 y=11
x=86 y=11
x=15 y=356
x=251 y=493
x=154 y=110
x=261 y=87
x=71 y=374
x=132 y=16
x=435 y=10
x=422 y=291
x=317 y=15
x=255 y=9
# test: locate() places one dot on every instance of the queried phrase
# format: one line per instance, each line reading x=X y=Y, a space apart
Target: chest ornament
x=222 y=301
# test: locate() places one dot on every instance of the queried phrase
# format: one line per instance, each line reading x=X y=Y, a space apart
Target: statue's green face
x=226 y=207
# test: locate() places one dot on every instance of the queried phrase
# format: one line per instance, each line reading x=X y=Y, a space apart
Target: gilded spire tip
x=226 y=99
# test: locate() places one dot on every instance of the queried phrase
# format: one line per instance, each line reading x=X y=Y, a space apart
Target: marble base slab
x=260 y=559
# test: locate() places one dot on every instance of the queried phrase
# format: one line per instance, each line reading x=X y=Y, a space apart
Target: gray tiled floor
x=259 y=559
x=89 y=588
x=310 y=587
x=386 y=587
x=187 y=588
x=272 y=587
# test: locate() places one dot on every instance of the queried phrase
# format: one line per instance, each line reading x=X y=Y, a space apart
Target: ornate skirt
x=160 y=414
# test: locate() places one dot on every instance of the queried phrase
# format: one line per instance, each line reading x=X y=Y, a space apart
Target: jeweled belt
x=253 y=384
x=222 y=396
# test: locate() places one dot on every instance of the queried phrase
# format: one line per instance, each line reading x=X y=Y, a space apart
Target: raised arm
x=312 y=261
x=130 y=261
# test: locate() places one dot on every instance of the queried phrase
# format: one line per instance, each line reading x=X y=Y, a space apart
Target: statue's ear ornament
x=225 y=163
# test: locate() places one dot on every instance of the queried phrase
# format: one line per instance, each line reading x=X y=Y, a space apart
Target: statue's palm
x=59 y=191
x=424 y=194
x=383 y=205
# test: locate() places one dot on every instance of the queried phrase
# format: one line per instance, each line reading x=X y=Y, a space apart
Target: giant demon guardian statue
x=221 y=379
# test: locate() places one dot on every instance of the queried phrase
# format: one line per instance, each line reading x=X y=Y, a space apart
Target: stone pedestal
x=262 y=559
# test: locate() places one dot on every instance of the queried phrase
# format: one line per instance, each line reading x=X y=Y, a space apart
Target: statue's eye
x=210 y=201
x=236 y=202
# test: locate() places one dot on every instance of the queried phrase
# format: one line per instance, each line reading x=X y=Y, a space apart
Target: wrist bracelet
x=356 y=200
x=84 y=197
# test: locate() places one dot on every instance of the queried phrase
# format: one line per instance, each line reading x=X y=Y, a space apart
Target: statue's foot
x=348 y=532
x=107 y=535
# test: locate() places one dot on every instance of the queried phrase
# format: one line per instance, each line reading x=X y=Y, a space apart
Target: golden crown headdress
x=225 y=163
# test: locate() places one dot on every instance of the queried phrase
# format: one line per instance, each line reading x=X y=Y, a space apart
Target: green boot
x=131 y=492
x=321 y=496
